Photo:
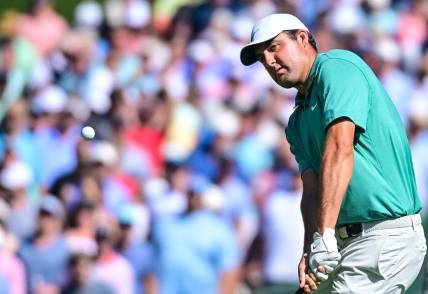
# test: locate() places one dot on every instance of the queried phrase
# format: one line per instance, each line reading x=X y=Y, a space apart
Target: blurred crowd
x=189 y=185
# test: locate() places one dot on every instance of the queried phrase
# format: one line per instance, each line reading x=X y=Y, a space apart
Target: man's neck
x=303 y=86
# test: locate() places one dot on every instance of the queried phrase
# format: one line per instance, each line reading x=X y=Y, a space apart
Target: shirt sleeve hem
x=331 y=118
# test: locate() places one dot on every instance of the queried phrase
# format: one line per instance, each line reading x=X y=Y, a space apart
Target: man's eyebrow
x=259 y=49
x=262 y=47
x=274 y=41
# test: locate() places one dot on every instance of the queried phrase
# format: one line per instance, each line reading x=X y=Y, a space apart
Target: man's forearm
x=310 y=205
x=310 y=214
x=336 y=171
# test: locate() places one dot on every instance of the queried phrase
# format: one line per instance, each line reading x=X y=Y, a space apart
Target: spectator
x=15 y=178
x=283 y=233
x=42 y=27
x=111 y=268
x=135 y=247
x=12 y=271
x=80 y=235
x=46 y=254
x=80 y=282
x=196 y=250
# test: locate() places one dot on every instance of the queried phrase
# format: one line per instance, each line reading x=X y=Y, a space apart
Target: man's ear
x=303 y=38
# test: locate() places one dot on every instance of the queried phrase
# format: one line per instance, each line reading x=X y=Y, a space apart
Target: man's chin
x=285 y=84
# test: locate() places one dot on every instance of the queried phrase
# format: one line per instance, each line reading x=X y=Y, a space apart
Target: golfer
x=363 y=233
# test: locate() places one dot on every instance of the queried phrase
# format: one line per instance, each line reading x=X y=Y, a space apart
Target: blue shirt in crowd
x=193 y=251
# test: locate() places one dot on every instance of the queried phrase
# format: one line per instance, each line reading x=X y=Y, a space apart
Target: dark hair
x=292 y=34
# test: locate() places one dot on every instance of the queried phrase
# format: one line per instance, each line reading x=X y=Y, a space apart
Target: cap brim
x=248 y=54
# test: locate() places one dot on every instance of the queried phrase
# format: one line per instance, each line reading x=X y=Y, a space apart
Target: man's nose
x=269 y=58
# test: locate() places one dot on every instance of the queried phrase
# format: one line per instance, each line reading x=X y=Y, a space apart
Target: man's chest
x=310 y=127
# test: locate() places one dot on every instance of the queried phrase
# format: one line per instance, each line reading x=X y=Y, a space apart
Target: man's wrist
x=327 y=241
x=321 y=229
x=328 y=232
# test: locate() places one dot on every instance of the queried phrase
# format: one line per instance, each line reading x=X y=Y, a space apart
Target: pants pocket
x=402 y=251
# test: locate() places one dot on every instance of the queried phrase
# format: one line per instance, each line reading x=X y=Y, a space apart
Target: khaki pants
x=382 y=259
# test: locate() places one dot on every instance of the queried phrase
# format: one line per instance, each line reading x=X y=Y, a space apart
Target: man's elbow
x=345 y=150
x=339 y=151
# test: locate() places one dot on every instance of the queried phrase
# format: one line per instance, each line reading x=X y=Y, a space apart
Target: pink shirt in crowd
x=13 y=271
x=115 y=271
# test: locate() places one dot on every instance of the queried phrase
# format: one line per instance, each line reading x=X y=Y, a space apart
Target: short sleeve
x=344 y=92
x=295 y=147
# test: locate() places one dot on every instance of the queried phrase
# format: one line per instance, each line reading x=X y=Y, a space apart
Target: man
x=12 y=270
x=111 y=268
x=360 y=207
x=46 y=255
x=282 y=230
x=197 y=251
x=80 y=280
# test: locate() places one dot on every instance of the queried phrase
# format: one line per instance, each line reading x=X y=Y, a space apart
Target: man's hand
x=307 y=279
x=324 y=253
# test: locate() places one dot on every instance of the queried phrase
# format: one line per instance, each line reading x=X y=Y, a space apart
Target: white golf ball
x=88 y=132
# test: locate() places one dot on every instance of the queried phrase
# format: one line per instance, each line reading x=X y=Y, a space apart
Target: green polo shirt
x=383 y=182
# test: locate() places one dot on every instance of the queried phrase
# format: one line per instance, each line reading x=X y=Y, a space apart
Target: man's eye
x=273 y=48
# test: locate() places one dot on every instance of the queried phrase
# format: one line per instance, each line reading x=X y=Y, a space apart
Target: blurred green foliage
x=64 y=7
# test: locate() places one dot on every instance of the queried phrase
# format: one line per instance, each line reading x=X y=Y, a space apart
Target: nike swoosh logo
x=313 y=107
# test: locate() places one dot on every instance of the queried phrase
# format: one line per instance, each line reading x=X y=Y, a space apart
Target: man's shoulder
x=335 y=57
x=339 y=62
x=338 y=54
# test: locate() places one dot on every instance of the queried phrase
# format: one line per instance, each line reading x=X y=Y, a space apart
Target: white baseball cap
x=16 y=175
x=268 y=28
